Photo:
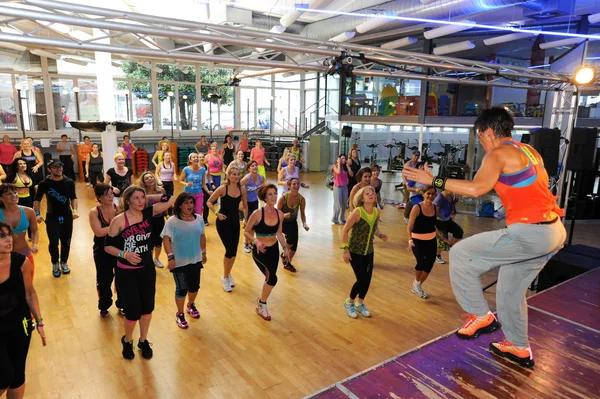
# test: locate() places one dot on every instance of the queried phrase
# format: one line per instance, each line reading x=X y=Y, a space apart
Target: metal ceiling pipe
x=138 y=29
x=442 y=9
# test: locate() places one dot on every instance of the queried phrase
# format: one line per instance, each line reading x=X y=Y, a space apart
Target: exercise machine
x=373 y=158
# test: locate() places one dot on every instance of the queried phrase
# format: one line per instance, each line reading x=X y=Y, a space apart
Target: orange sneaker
x=524 y=357
x=473 y=327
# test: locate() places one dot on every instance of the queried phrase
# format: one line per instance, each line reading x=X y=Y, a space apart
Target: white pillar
x=104 y=80
x=109 y=146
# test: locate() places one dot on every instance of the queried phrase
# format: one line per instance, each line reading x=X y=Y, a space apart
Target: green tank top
x=288 y=209
x=361 y=237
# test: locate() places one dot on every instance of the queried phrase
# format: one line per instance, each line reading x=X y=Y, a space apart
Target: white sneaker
x=416 y=289
x=438 y=259
x=247 y=248
x=226 y=284
x=158 y=263
x=88 y=184
x=261 y=310
x=406 y=220
x=231 y=281
x=362 y=309
x=350 y=310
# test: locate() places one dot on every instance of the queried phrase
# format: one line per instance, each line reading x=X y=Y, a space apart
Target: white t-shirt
x=185 y=239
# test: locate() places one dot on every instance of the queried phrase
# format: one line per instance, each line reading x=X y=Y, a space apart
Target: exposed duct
x=267 y=23
x=442 y=10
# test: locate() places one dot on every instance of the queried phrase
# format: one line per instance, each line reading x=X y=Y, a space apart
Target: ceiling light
x=13 y=46
x=505 y=38
x=75 y=61
x=185 y=97
x=454 y=47
x=75 y=89
x=47 y=54
x=80 y=35
x=342 y=37
x=277 y=29
x=204 y=32
x=371 y=24
x=562 y=42
x=584 y=75
x=6 y=29
x=170 y=94
x=405 y=41
x=288 y=74
x=594 y=18
x=447 y=30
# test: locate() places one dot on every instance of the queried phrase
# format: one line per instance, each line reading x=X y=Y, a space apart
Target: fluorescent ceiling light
x=80 y=35
x=6 y=29
x=43 y=53
x=288 y=74
x=342 y=37
x=405 y=41
x=448 y=30
x=75 y=61
x=594 y=18
x=454 y=47
x=204 y=32
x=13 y=46
x=506 y=38
x=277 y=29
x=371 y=24
x=562 y=42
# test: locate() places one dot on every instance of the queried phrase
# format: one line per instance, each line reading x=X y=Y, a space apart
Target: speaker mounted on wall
x=347 y=131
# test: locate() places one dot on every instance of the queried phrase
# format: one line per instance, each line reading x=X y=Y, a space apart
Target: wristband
x=345 y=245
x=304 y=225
x=439 y=182
x=164 y=198
x=204 y=252
x=74 y=211
x=123 y=254
x=39 y=320
x=39 y=325
x=37 y=213
x=170 y=257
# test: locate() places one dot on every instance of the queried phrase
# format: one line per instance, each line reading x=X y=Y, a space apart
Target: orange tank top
x=525 y=194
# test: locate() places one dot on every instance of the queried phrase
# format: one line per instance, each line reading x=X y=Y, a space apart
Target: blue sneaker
x=362 y=309
x=65 y=268
x=56 y=269
x=350 y=311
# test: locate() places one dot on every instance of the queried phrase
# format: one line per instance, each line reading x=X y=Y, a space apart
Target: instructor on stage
x=533 y=234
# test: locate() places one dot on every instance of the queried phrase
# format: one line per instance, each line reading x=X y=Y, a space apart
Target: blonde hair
x=117 y=155
x=161 y=144
x=142 y=184
x=228 y=174
x=358 y=197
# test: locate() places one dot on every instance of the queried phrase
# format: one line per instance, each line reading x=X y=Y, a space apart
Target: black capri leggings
x=105 y=273
x=96 y=177
x=187 y=279
x=363 y=270
x=252 y=206
x=229 y=232
x=449 y=226
x=137 y=288
x=425 y=252
x=267 y=262
x=14 y=345
x=290 y=229
x=205 y=209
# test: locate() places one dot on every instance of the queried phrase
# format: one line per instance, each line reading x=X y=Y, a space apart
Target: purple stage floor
x=564 y=324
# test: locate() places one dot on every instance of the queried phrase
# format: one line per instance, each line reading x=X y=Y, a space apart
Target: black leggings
x=267 y=262
x=425 y=252
x=205 y=209
x=252 y=206
x=449 y=226
x=82 y=172
x=96 y=177
x=169 y=190
x=290 y=229
x=157 y=223
x=14 y=346
x=105 y=273
x=59 y=228
x=187 y=279
x=363 y=270
x=68 y=166
x=229 y=232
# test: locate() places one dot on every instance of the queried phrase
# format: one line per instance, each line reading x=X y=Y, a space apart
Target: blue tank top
x=23 y=222
x=522 y=178
x=252 y=189
x=196 y=178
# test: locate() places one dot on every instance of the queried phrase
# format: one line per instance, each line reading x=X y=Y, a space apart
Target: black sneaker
x=127 y=349
x=283 y=259
x=290 y=267
x=146 y=349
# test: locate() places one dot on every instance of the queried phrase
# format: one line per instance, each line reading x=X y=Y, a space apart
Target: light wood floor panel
x=230 y=352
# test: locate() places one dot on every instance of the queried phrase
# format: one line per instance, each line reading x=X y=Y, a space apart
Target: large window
x=8 y=114
x=247 y=111
x=30 y=89
x=65 y=106
x=188 y=119
x=88 y=100
x=166 y=98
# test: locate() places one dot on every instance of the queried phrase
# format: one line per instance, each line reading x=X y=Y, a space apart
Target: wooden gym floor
x=230 y=352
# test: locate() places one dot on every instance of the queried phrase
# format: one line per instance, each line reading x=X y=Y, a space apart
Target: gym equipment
x=373 y=158
x=390 y=158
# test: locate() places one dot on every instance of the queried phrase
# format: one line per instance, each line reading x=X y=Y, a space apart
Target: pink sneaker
x=180 y=319
x=191 y=309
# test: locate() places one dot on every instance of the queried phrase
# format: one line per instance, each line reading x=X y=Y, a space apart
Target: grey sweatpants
x=340 y=200
x=521 y=251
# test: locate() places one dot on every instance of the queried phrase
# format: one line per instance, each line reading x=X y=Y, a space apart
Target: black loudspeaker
x=525 y=138
x=547 y=143
x=569 y=262
x=347 y=131
x=581 y=152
